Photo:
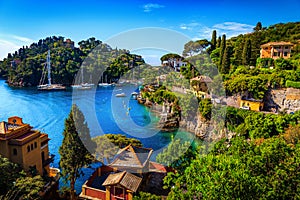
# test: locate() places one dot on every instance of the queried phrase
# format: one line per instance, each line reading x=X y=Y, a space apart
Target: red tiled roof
x=278 y=44
x=125 y=179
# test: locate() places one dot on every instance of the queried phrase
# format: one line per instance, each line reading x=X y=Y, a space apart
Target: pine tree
x=222 y=46
x=213 y=41
x=73 y=154
x=246 y=57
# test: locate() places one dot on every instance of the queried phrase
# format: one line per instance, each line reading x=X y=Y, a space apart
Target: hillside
x=24 y=67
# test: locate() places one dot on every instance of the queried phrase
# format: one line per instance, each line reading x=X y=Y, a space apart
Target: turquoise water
x=104 y=113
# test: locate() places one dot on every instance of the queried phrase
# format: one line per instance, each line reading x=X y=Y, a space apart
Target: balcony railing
x=49 y=160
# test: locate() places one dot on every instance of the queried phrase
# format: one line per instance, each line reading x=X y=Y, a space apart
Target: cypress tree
x=73 y=154
x=213 y=40
x=226 y=61
x=258 y=26
x=222 y=46
x=218 y=42
x=246 y=57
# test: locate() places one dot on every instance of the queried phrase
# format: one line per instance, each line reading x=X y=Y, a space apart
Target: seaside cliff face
x=208 y=130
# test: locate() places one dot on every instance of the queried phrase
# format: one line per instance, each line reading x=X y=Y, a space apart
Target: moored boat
x=49 y=86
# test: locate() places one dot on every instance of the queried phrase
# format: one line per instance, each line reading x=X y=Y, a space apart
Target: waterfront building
x=131 y=171
x=25 y=146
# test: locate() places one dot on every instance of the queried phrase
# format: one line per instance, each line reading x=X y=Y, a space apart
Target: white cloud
x=150 y=6
x=11 y=43
x=231 y=29
x=189 y=26
x=22 y=39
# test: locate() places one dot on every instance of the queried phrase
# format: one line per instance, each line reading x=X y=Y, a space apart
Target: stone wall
x=285 y=99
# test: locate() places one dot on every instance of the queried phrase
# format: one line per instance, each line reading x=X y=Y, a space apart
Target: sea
x=103 y=111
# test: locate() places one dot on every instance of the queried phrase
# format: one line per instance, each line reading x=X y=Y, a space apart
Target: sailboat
x=49 y=86
x=83 y=86
x=104 y=84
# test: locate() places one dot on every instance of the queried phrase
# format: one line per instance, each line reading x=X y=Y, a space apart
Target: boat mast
x=49 y=68
x=82 y=75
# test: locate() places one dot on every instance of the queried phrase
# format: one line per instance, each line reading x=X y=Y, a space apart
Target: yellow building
x=276 y=50
x=199 y=86
x=251 y=104
x=25 y=146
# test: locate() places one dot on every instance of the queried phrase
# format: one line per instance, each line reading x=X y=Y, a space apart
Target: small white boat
x=121 y=95
x=87 y=84
x=104 y=84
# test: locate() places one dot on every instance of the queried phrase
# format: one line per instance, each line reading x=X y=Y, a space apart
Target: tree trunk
x=72 y=192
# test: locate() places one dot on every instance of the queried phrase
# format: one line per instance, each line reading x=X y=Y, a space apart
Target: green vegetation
x=177 y=155
x=25 y=66
x=293 y=84
x=73 y=153
x=15 y=185
x=239 y=169
x=109 y=144
x=146 y=196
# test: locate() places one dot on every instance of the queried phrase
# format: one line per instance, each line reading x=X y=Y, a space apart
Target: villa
x=276 y=50
x=29 y=148
x=130 y=172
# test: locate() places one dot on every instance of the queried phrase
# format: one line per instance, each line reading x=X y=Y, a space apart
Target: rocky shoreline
x=203 y=129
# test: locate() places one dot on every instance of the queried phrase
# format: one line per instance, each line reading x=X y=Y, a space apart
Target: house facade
x=199 y=86
x=276 y=50
x=129 y=173
x=175 y=63
x=251 y=104
x=25 y=146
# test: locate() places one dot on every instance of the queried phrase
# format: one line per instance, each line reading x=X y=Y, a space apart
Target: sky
x=24 y=22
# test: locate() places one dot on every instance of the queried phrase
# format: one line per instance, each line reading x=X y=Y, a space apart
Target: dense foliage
x=239 y=169
x=109 y=144
x=14 y=184
x=73 y=153
x=25 y=66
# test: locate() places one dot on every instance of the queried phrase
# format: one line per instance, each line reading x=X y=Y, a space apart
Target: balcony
x=49 y=160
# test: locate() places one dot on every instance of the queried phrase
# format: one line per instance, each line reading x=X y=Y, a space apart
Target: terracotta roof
x=277 y=43
x=205 y=79
x=132 y=156
x=125 y=179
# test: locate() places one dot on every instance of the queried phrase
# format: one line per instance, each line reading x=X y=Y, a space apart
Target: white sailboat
x=83 y=86
x=104 y=84
x=49 y=86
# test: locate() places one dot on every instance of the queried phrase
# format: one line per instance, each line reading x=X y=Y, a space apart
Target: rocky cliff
x=284 y=100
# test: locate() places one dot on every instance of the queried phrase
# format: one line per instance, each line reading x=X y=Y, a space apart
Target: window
x=28 y=148
x=35 y=145
x=31 y=146
x=15 y=152
x=286 y=47
x=285 y=54
x=119 y=192
x=275 y=54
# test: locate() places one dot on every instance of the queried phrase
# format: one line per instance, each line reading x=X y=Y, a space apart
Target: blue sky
x=23 y=22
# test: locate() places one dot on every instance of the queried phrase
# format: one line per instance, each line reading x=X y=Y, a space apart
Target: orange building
x=130 y=172
x=25 y=146
x=276 y=50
